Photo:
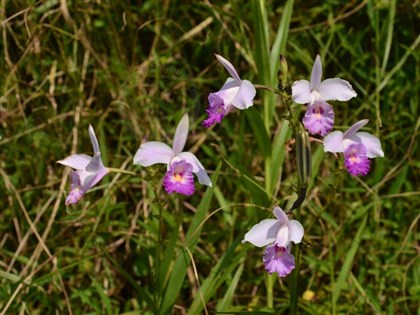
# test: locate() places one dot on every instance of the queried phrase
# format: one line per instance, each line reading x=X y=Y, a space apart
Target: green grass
x=131 y=70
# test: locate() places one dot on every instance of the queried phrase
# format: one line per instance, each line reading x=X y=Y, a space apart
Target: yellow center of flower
x=177 y=178
x=354 y=159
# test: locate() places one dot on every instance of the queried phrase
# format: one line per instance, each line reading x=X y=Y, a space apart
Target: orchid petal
x=333 y=142
x=295 y=231
x=181 y=134
x=283 y=235
x=95 y=165
x=91 y=179
x=76 y=161
x=228 y=92
x=316 y=73
x=371 y=143
x=262 y=233
x=336 y=89
x=93 y=139
x=198 y=168
x=75 y=180
x=280 y=215
x=229 y=67
x=301 y=92
x=245 y=95
x=153 y=152
x=355 y=128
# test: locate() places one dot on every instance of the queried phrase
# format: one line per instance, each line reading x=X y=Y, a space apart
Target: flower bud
x=282 y=73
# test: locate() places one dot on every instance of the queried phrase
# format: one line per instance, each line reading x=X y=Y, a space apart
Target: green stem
x=269 y=286
x=118 y=170
x=294 y=284
x=267 y=88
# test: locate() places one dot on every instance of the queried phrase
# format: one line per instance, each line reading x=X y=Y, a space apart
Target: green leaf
x=348 y=260
x=223 y=269
x=260 y=133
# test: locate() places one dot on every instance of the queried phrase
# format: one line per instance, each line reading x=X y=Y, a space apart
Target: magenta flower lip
x=278 y=259
x=179 y=178
x=89 y=170
x=355 y=160
x=319 y=118
x=154 y=152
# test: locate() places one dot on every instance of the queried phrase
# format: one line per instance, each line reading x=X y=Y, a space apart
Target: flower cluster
x=357 y=147
x=277 y=235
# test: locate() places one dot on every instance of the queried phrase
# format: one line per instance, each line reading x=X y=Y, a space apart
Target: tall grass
x=131 y=70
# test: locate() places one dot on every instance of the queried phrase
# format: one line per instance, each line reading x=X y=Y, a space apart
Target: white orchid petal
x=76 y=161
x=245 y=96
x=262 y=233
x=355 y=128
x=91 y=179
x=282 y=237
x=93 y=139
x=336 y=89
x=316 y=73
x=95 y=165
x=372 y=144
x=153 y=152
x=181 y=134
x=228 y=92
x=229 y=67
x=198 y=168
x=333 y=142
x=295 y=231
x=301 y=92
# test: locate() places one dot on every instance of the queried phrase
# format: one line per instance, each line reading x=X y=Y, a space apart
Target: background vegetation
x=131 y=69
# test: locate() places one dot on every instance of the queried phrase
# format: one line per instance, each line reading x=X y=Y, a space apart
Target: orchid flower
x=235 y=93
x=279 y=232
x=181 y=164
x=89 y=170
x=358 y=147
x=319 y=116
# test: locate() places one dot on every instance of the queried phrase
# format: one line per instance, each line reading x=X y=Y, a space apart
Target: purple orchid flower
x=358 y=147
x=319 y=116
x=235 y=93
x=280 y=233
x=181 y=165
x=89 y=170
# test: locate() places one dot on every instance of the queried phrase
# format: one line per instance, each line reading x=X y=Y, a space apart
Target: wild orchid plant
x=277 y=234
